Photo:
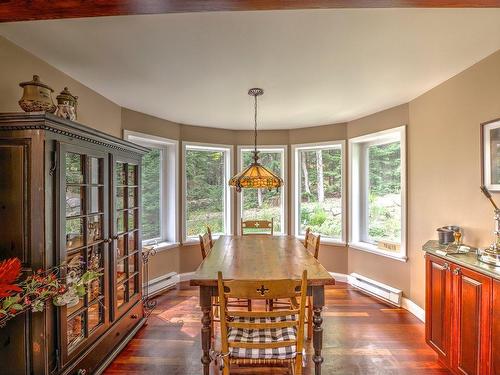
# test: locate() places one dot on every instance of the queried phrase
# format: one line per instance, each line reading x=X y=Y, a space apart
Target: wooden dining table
x=258 y=257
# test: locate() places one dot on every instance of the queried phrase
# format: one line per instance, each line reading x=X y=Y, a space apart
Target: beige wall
x=18 y=65
x=445 y=162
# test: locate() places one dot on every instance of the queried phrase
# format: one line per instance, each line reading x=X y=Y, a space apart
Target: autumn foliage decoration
x=35 y=290
x=10 y=270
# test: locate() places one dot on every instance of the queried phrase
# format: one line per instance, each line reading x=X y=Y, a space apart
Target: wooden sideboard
x=463 y=312
x=69 y=193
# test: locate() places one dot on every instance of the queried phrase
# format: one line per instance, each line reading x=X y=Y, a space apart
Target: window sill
x=162 y=246
x=326 y=241
x=369 y=248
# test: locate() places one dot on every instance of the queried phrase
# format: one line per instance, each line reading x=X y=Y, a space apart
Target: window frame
x=359 y=184
x=296 y=178
x=283 y=190
x=169 y=178
x=228 y=197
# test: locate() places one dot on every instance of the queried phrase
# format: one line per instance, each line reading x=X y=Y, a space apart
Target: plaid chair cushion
x=263 y=336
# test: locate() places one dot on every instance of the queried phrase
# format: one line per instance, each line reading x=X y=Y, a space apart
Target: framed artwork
x=490 y=140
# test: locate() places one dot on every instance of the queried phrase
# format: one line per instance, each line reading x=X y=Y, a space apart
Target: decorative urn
x=66 y=105
x=37 y=96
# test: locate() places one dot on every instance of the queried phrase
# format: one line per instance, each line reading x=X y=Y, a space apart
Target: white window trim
x=228 y=201
x=355 y=201
x=284 y=173
x=296 y=148
x=169 y=186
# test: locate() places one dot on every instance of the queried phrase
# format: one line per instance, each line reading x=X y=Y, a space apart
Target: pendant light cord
x=255 y=128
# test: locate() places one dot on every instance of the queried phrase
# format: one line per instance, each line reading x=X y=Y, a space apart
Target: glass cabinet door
x=83 y=227
x=126 y=277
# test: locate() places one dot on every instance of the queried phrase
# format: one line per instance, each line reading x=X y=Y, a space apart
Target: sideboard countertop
x=468 y=260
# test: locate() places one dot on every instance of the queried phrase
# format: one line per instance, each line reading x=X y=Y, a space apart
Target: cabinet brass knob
x=457 y=271
x=446 y=266
x=134 y=316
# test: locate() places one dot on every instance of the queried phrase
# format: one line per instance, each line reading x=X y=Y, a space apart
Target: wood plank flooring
x=361 y=336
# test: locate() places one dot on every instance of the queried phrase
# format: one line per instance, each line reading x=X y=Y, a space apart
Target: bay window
x=264 y=204
x=319 y=190
x=207 y=169
x=378 y=193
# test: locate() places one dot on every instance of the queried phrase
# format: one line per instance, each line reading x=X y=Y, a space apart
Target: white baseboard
x=407 y=304
x=162 y=283
x=414 y=309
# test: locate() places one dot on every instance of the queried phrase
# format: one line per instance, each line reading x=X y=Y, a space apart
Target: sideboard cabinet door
x=438 y=306
x=471 y=333
x=495 y=329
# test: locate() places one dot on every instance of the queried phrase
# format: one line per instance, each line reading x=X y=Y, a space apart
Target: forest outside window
x=378 y=191
x=264 y=204
x=158 y=189
x=207 y=199
x=319 y=185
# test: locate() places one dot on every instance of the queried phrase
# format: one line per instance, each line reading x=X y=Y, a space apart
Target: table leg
x=318 y=303
x=206 y=323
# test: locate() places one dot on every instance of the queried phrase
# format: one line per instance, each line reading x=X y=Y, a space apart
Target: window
x=207 y=199
x=319 y=190
x=378 y=193
x=158 y=188
x=264 y=204
x=151 y=195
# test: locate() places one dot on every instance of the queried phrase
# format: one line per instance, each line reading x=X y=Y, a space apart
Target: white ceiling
x=316 y=66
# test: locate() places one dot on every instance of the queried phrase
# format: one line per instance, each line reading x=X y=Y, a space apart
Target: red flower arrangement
x=35 y=290
x=10 y=270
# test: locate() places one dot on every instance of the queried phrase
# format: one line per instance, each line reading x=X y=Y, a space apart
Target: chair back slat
x=206 y=243
x=262 y=325
x=264 y=227
x=265 y=314
x=262 y=289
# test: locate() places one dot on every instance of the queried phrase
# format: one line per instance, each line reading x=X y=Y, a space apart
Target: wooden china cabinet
x=70 y=194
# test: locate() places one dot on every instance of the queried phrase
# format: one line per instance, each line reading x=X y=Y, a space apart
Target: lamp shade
x=255 y=176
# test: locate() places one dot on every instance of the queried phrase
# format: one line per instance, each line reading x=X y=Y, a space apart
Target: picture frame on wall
x=490 y=151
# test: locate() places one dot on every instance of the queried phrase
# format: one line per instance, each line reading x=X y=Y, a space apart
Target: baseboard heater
x=385 y=292
x=162 y=283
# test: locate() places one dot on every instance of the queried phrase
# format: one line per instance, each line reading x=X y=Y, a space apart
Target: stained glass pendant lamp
x=255 y=176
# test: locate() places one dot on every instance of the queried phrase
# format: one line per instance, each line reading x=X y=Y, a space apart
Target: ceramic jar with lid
x=37 y=96
x=66 y=105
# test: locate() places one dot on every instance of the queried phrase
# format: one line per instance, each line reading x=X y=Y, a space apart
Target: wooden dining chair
x=206 y=244
x=257 y=227
x=263 y=338
x=311 y=243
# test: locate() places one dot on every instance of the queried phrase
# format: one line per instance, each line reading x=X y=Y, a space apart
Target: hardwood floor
x=361 y=336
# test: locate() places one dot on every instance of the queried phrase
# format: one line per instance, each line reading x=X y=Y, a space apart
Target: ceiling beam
x=23 y=10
